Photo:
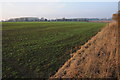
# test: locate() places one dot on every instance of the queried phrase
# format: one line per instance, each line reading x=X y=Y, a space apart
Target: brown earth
x=98 y=58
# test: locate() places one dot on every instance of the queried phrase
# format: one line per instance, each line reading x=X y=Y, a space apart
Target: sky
x=58 y=9
x=59 y=0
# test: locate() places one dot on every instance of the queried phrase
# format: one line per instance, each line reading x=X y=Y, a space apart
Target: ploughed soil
x=98 y=58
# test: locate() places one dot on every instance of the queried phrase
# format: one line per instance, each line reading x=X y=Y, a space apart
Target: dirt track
x=98 y=58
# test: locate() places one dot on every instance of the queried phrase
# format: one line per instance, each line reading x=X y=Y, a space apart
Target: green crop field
x=39 y=49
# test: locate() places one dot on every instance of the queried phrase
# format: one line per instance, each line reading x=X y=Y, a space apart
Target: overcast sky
x=58 y=9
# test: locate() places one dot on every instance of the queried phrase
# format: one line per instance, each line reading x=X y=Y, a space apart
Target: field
x=39 y=49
